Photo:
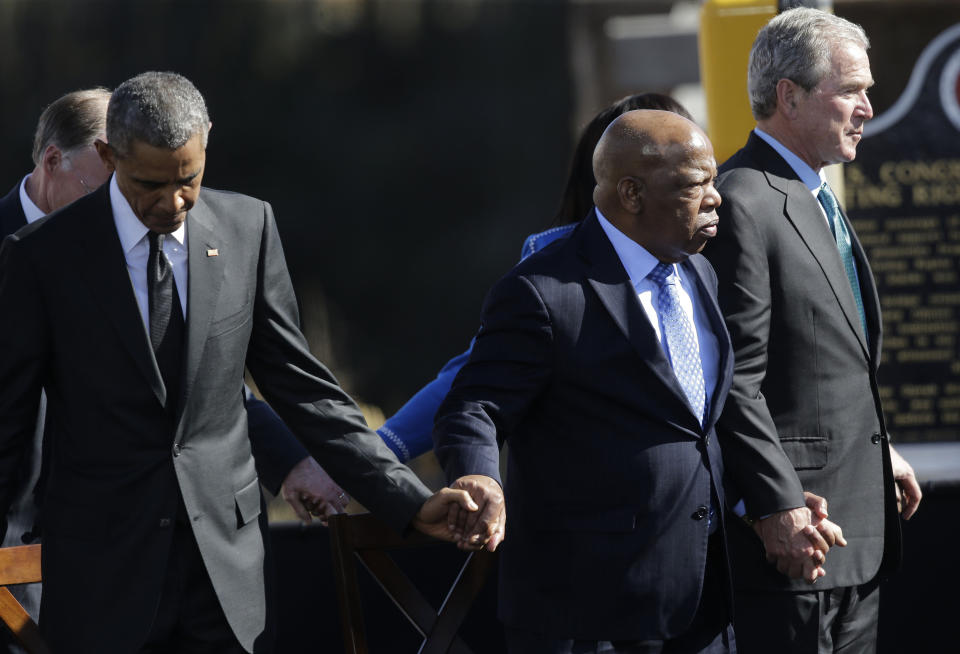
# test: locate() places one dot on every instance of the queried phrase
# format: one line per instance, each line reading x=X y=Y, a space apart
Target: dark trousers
x=709 y=633
x=189 y=618
x=823 y=622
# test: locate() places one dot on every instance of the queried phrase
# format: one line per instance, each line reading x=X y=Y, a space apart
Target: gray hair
x=797 y=45
x=71 y=122
x=164 y=110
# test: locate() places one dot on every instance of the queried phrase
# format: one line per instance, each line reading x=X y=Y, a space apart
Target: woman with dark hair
x=408 y=431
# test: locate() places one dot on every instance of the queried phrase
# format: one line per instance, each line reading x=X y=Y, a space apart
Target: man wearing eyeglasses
x=66 y=167
x=66 y=163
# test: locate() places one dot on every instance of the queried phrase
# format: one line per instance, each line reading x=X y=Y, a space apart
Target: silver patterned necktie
x=680 y=339
x=840 y=234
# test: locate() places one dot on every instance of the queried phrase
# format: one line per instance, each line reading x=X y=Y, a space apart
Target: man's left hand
x=908 y=490
x=311 y=492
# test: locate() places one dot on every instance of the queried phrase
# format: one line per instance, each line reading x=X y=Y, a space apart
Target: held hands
x=908 y=490
x=431 y=519
x=485 y=527
x=830 y=531
x=310 y=491
x=797 y=540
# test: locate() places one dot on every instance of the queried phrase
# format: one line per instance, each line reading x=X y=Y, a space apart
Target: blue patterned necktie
x=842 y=237
x=680 y=339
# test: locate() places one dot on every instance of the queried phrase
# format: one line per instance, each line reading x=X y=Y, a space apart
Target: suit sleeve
x=754 y=460
x=511 y=362
x=275 y=448
x=23 y=348
x=306 y=395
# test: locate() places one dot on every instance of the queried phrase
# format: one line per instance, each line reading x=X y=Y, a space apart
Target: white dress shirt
x=136 y=250
x=638 y=263
x=812 y=179
x=30 y=210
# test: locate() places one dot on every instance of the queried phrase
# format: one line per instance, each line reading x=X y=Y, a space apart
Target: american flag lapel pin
x=213 y=252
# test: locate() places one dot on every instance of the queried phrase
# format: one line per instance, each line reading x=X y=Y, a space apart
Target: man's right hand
x=485 y=527
x=798 y=540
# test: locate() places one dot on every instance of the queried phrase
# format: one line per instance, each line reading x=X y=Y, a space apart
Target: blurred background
x=409 y=146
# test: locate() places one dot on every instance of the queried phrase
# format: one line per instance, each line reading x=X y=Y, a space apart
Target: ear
x=52 y=159
x=107 y=155
x=630 y=193
x=788 y=95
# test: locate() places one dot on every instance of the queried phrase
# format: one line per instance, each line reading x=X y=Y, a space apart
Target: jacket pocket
x=806 y=453
x=247 y=501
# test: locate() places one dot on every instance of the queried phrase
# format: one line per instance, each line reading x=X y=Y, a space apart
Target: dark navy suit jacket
x=609 y=472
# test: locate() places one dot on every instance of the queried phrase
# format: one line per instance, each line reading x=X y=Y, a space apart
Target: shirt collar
x=810 y=178
x=30 y=210
x=129 y=228
x=635 y=258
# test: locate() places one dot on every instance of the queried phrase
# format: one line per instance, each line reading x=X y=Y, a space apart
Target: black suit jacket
x=804 y=411
x=119 y=463
x=12 y=217
x=609 y=473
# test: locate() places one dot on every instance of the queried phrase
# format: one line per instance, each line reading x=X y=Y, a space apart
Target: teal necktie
x=842 y=237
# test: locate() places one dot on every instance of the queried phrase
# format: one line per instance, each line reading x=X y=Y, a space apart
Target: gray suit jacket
x=804 y=410
x=119 y=463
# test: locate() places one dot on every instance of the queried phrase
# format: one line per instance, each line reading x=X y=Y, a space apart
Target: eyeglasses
x=69 y=166
x=86 y=187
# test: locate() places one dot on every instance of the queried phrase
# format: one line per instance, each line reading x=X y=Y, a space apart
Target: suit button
x=875 y=439
x=176 y=449
x=700 y=513
x=164 y=522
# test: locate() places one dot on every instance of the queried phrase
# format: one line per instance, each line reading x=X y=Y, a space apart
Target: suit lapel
x=12 y=216
x=868 y=293
x=610 y=281
x=108 y=278
x=205 y=275
x=803 y=211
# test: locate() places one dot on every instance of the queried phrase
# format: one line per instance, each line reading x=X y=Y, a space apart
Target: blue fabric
x=408 y=431
x=680 y=339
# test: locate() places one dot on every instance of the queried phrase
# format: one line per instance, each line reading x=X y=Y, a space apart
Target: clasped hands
x=797 y=540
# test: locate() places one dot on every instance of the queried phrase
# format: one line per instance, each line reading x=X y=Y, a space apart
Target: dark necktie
x=166 y=318
x=680 y=338
x=842 y=237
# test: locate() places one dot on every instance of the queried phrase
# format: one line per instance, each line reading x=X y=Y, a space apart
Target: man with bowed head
x=162 y=293
x=800 y=302
x=605 y=362
x=67 y=167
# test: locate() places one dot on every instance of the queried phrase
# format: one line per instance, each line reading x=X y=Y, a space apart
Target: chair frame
x=20 y=565
x=365 y=538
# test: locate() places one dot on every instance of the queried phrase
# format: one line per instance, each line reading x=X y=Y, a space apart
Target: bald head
x=655 y=172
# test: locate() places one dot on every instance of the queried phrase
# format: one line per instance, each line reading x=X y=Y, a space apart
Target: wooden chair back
x=365 y=538
x=20 y=565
